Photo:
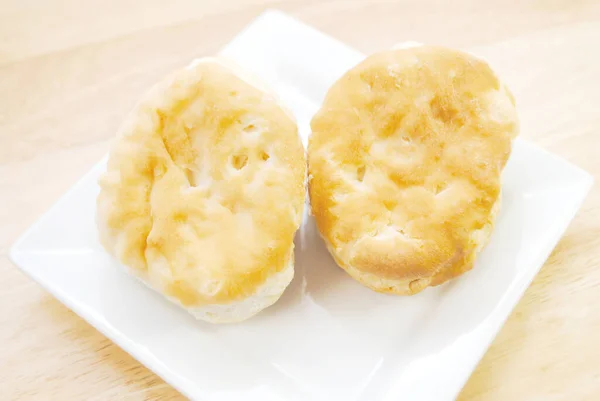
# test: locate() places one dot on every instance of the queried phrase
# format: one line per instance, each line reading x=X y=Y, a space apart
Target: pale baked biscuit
x=204 y=190
x=405 y=159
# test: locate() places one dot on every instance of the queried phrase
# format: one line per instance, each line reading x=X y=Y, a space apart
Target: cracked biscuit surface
x=204 y=190
x=405 y=160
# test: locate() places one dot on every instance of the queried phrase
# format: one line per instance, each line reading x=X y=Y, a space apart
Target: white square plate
x=328 y=338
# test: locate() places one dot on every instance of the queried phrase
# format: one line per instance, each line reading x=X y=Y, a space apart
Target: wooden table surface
x=70 y=70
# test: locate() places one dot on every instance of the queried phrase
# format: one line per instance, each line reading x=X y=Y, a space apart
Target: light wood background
x=70 y=70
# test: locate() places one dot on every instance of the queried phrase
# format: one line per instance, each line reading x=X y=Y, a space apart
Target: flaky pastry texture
x=405 y=160
x=204 y=190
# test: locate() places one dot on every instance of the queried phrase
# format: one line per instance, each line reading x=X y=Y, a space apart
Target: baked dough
x=204 y=190
x=405 y=160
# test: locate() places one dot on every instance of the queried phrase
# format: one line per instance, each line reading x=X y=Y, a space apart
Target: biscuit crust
x=405 y=161
x=205 y=188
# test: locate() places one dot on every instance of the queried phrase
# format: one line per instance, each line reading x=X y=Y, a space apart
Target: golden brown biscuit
x=204 y=190
x=405 y=160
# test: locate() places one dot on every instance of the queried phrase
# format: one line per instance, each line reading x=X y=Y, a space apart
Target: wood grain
x=70 y=70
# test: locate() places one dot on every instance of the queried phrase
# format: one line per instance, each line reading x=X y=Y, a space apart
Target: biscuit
x=204 y=190
x=405 y=162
